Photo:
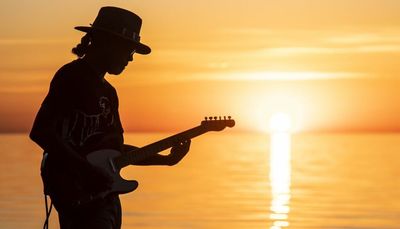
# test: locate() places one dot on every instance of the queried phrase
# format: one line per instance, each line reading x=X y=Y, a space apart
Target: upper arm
x=50 y=115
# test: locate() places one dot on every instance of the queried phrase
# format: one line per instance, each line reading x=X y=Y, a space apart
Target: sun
x=280 y=122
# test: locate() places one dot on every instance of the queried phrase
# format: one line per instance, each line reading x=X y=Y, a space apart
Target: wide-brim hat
x=119 y=22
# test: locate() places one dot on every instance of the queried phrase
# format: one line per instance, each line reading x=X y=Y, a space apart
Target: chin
x=116 y=71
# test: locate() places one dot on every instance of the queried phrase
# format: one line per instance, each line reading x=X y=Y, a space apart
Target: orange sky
x=331 y=65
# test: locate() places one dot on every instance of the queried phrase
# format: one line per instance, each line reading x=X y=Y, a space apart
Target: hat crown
x=118 y=20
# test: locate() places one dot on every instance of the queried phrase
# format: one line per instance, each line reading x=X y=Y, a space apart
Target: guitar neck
x=140 y=154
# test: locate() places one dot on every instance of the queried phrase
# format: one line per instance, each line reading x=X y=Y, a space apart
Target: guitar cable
x=48 y=212
x=45 y=192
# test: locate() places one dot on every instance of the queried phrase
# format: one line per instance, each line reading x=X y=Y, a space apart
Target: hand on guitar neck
x=178 y=151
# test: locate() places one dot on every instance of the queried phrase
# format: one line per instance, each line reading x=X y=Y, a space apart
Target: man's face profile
x=116 y=52
x=121 y=52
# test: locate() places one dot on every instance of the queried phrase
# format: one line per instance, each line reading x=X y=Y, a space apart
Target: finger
x=186 y=145
x=185 y=142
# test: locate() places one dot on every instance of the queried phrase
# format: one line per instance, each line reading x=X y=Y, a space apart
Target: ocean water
x=231 y=180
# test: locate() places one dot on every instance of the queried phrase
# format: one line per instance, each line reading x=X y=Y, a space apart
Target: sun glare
x=280 y=125
x=280 y=122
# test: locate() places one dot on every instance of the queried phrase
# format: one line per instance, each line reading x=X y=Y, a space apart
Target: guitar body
x=104 y=160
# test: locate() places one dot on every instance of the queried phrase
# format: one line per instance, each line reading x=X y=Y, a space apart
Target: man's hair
x=81 y=49
x=95 y=39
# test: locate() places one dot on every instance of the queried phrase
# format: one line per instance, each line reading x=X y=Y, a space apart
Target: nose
x=131 y=55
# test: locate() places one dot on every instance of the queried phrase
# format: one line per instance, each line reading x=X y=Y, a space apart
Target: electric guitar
x=112 y=161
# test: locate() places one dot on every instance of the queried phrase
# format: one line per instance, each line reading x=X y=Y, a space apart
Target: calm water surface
x=235 y=181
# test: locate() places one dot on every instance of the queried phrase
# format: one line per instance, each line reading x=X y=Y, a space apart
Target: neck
x=96 y=64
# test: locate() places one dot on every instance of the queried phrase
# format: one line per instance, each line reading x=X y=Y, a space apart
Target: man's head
x=113 y=38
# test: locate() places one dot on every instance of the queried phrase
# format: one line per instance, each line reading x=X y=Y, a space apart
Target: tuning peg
x=219 y=118
x=229 y=117
x=224 y=117
x=205 y=118
x=210 y=118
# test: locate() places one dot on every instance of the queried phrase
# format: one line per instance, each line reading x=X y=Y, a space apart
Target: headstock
x=217 y=123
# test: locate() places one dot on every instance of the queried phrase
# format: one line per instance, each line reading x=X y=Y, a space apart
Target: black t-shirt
x=88 y=105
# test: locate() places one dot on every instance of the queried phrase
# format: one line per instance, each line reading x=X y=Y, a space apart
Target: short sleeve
x=55 y=106
x=62 y=94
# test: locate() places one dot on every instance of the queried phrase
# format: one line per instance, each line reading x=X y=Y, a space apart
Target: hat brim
x=140 y=47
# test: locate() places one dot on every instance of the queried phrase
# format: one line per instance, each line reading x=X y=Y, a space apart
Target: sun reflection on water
x=280 y=170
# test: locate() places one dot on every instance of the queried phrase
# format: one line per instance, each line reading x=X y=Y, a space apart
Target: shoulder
x=64 y=88
x=67 y=74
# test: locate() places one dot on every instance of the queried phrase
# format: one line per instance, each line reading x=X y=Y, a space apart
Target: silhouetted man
x=80 y=115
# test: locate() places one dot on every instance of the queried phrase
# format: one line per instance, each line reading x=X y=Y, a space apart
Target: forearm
x=61 y=150
x=178 y=151
x=156 y=159
x=69 y=153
